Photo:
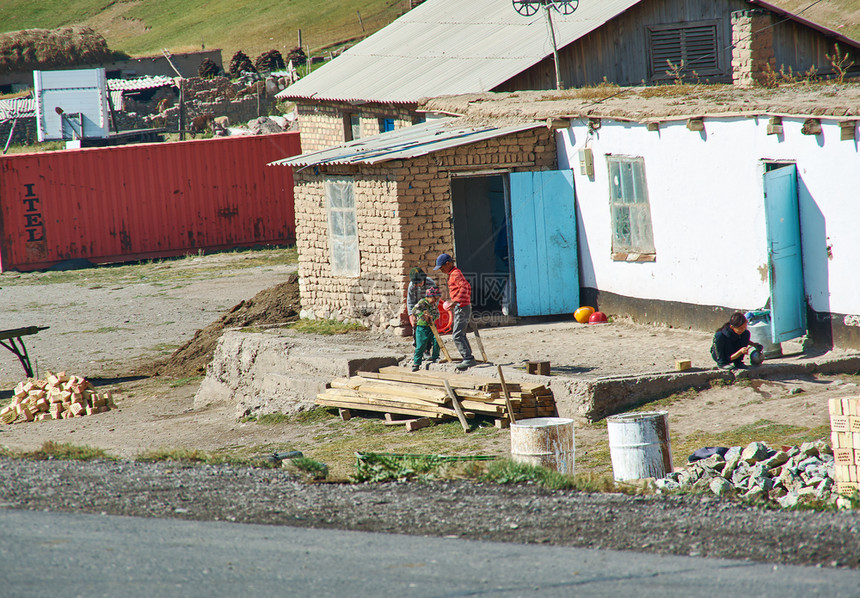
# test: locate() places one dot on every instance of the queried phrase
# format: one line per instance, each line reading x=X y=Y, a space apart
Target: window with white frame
x=342 y=226
x=632 y=236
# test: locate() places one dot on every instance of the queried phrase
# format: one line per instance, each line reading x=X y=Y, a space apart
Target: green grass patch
x=384 y=467
x=47 y=146
x=269 y=419
x=312 y=416
x=326 y=327
x=506 y=471
x=182 y=455
x=335 y=442
x=143 y=28
x=772 y=434
x=313 y=470
x=62 y=450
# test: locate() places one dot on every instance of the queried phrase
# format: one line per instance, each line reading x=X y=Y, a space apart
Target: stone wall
x=403 y=213
x=322 y=124
x=218 y=96
x=752 y=51
x=26 y=131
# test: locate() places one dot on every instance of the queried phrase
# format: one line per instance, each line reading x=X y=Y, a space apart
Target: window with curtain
x=342 y=226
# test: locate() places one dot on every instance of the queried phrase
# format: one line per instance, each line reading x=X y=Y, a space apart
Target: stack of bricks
x=752 y=47
x=845 y=441
x=403 y=220
x=59 y=396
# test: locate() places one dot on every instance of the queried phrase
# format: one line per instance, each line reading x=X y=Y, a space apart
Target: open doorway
x=480 y=208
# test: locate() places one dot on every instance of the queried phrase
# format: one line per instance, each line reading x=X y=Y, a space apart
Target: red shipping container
x=143 y=201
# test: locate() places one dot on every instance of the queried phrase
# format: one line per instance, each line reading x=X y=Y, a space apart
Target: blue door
x=787 y=295
x=543 y=236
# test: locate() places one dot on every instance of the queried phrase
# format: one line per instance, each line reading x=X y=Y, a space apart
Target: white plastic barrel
x=639 y=445
x=544 y=441
x=760 y=333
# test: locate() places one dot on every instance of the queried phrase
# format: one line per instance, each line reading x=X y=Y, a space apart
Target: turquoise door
x=785 y=264
x=543 y=236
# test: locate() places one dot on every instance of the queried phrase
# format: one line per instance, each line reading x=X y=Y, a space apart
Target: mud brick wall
x=403 y=213
x=365 y=298
x=752 y=51
x=322 y=124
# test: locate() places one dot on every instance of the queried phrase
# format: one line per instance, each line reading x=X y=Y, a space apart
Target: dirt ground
x=117 y=329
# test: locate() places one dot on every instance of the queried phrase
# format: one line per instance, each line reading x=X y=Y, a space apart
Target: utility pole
x=529 y=8
x=554 y=48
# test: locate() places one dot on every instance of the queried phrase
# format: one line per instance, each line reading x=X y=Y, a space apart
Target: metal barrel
x=544 y=441
x=639 y=445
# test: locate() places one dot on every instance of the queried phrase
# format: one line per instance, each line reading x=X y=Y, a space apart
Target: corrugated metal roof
x=409 y=142
x=116 y=99
x=17 y=108
x=457 y=46
x=139 y=83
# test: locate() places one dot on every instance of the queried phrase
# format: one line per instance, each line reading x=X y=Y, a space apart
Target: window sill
x=634 y=257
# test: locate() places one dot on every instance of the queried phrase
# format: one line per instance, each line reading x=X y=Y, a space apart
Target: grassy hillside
x=143 y=27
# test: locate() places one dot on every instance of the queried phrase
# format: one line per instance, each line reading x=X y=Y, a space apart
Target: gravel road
x=679 y=525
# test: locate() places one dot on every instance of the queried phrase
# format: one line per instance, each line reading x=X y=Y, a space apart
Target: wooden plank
x=441 y=344
x=405 y=390
x=391 y=397
x=333 y=402
x=510 y=408
x=479 y=341
x=417 y=424
x=351 y=400
x=381 y=405
x=456 y=379
x=457 y=407
x=417 y=379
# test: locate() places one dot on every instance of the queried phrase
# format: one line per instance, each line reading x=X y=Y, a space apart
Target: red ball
x=597 y=317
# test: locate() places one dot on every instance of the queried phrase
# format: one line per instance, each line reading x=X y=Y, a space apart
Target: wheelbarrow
x=11 y=339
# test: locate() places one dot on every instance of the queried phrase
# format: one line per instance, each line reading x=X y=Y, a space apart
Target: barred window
x=632 y=236
x=342 y=226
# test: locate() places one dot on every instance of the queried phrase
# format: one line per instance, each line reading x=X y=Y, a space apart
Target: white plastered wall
x=707 y=210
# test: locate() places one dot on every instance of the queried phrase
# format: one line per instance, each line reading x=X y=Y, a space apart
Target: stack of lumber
x=845 y=441
x=395 y=390
x=58 y=396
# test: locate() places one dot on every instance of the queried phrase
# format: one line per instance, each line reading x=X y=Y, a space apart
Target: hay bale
x=52 y=48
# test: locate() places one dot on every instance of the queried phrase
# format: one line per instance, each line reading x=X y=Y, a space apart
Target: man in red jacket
x=461 y=299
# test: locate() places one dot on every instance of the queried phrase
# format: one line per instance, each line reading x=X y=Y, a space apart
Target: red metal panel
x=150 y=200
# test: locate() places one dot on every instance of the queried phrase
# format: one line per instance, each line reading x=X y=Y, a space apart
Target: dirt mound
x=51 y=48
x=276 y=305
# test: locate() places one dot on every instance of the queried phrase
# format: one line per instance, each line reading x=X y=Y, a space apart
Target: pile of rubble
x=757 y=473
x=59 y=396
